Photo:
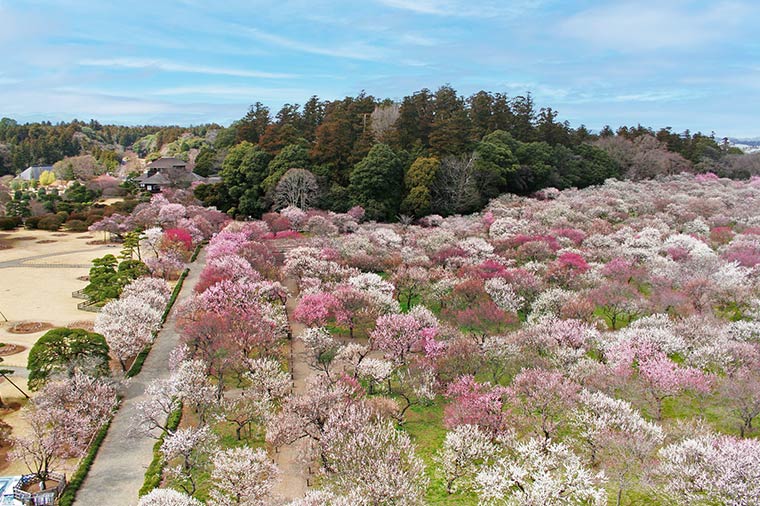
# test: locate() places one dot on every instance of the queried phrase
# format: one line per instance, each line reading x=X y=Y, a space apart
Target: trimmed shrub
x=50 y=222
x=155 y=471
x=75 y=482
x=76 y=226
x=32 y=222
x=9 y=222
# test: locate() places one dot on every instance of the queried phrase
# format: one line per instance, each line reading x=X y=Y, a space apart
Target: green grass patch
x=407 y=305
x=620 y=320
x=339 y=331
x=424 y=424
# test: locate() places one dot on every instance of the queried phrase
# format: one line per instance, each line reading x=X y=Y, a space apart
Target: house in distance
x=34 y=172
x=167 y=173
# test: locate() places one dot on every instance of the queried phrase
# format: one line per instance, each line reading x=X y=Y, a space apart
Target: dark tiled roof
x=167 y=163
x=157 y=179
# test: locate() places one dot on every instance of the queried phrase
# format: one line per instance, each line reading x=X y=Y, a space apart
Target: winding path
x=119 y=469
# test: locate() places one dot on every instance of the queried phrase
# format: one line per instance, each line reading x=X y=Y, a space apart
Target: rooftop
x=167 y=163
x=34 y=172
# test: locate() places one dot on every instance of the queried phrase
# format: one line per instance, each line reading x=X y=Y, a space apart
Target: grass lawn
x=425 y=426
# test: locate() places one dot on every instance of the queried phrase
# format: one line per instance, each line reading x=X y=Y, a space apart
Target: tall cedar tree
x=377 y=182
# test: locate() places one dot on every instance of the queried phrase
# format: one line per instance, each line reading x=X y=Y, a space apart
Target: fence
x=79 y=294
x=92 y=307
x=42 y=497
x=86 y=305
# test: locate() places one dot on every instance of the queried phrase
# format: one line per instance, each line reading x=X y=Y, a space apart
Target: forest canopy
x=431 y=152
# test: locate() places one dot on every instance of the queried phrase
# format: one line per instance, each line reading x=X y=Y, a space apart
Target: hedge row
x=70 y=494
x=195 y=253
x=155 y=471
x=140 y=359
x=175 y=294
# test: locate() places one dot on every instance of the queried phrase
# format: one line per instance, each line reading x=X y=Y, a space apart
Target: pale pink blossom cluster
x=712 y=469
x=130 y=322
x=533 y=473
x=62 y=420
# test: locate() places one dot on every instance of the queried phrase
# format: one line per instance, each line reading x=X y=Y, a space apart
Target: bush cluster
x=9 y=222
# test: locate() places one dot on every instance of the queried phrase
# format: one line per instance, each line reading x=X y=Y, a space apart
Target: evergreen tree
x=450 y=129
x=417 y=181
x=205 y=161
x=494 y=162
x=415 y=121
x=65 y=351
x=243 y=170
x=376 y=183
x=524 y=113
x=292 y=156
x=253 y=125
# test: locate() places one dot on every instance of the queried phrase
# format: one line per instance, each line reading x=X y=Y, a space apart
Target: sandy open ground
x=36 y=281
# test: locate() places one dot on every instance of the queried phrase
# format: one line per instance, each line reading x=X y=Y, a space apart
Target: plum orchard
x=550 y=350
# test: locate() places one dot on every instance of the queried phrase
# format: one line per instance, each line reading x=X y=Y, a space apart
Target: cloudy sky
x=685 y=64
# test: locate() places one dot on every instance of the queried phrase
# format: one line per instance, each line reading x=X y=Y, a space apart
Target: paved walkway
x=119 y=469
x=293 y=472
x=22 y=262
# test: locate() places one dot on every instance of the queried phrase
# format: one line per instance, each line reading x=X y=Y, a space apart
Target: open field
x=37 y=281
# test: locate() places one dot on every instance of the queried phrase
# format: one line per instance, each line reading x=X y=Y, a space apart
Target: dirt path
x=294 y=474
x=22 y=262
x=119 y=469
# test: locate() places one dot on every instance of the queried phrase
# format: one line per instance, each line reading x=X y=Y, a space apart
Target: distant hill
x=748 y=145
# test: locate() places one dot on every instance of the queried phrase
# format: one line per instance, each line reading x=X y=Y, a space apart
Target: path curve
x=118 y=472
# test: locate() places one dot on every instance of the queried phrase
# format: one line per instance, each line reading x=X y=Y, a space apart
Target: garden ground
x=39 y=270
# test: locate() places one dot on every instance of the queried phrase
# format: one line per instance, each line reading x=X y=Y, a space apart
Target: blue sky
x=685 y=64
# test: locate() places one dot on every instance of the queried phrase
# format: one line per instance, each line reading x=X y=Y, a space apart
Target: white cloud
x=634 y=26
x=417 y=39
x=353 y=50
x=657 y=96
x=168 y=66
x=420 y=6
x=64 y=104
x=236 y=92
x=462 y=8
